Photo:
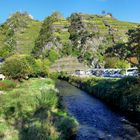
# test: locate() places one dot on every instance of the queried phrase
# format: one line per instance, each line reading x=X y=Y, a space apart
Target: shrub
x=48 y=98
x=67 y=126
x=53 y=75
x=17 y=67
x=114 y=62
x=41 y=67
x=53 y=55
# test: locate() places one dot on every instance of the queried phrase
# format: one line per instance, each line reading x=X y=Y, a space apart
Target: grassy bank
x=31 y=111
x=123 y=94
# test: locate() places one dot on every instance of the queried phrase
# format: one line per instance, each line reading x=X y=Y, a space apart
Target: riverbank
x=121 y=94
x=31 y=110
x=96 y=119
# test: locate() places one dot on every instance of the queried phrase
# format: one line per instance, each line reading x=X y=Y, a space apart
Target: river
x=96 y=120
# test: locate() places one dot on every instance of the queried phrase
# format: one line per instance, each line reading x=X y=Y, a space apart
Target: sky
x=126 y=10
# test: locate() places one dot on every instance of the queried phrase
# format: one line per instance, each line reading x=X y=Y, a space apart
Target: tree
x=76 y=29
x=79 y=36
x=133 y=45
x=128 y=50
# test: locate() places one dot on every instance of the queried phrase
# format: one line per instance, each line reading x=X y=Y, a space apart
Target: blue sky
x=126 y=10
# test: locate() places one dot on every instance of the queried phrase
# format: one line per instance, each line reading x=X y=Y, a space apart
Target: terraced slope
x=26 y=39
x=67 y=64
x=20 y=32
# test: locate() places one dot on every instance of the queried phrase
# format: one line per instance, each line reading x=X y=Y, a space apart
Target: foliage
x=31 y=111
x=133 y=46
x=76 y=29
x=41 y=67
x=24 y=66
x=130 y=49
x=16 y=67
x=45 y=35
x=78 y=36
x=53 y=75
x=9 y=41
x=67 y=50
x=114 y=62
x=47 y=100
x=53 y=55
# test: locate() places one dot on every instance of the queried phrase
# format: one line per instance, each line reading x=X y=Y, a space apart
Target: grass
x=7 y=84
x=32 y=111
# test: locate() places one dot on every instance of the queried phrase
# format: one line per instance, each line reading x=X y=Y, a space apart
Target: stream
x=96 y=120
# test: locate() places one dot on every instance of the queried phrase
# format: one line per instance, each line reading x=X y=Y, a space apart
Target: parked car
x=116 y=74
x=80 y=72
x=106 y=74
x=132 y=72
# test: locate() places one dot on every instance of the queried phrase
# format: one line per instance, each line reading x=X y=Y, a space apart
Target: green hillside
x=26 y=39
x=18 y=34
x=82 y=35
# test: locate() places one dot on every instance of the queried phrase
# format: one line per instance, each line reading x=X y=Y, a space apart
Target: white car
x=132 y=72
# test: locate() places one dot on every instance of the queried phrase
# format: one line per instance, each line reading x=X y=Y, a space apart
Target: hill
x=81 y=35
x=18 y=34
x=85 y=36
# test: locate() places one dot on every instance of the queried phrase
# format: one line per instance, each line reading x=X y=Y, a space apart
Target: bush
x=24 y=66
x=48 y=98
x=53 y=75
x=41 y=67
x=53 y=55
x=7 y=84
x=114 y=62
x=17 y=67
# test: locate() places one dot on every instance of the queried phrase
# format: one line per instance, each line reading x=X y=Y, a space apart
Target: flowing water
x=96 y=120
